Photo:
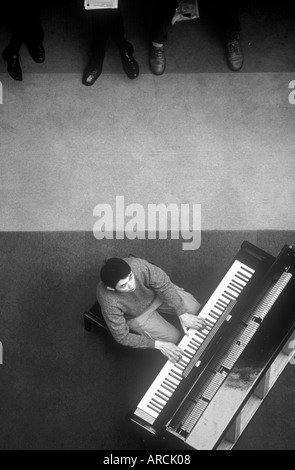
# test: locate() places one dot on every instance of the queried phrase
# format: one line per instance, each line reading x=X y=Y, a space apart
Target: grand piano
x=206 y=400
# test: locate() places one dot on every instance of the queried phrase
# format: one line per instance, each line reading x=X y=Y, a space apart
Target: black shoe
x=157 y=60
x=234 y=54
x=36 y=50
x=92 y=71
x=13 y=65
x=129 y=64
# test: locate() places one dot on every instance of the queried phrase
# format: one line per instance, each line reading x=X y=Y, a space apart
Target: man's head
x=116 y=274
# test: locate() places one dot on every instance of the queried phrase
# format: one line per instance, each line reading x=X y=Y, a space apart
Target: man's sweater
x=153 y=287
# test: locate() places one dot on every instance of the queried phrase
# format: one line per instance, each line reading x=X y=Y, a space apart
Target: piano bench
x=94 y=317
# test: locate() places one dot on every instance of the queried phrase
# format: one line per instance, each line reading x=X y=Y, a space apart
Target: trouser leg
x=25 y=24
x=191 y=305
x=107 y=23
x=34 y=30
x=227 y=17
x=231 y=22
x=162 y=14
x=117 y=31
x=154 y=325
x=100 y=20
x=230 y=29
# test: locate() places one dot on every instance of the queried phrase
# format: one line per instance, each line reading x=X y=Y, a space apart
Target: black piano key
x=216 y=313
x=247 y=270
x=196 y=338
x=242 y=277
x=192 y=345
x=194 y=351
x=176 y=375
x=235 y=288
x=153 y=408
x=170 y=386
x=183 y=364
x=187 y=354
x=156 y=407
x=195 y=348
x=183 y=360
x=201 y=335
x=171 y=383
x=219 y=308
x=242 y=273
x=162 y=395
x=215 y=317
x=236 y=281
x=167 y=387
x=231 y=291
x=231 y=296
x=156 y=403
x=227 y=297
x=222 y=303
x=191 y=350
x=173 y=375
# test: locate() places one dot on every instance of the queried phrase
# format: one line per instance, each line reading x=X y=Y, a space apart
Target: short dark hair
x=113 y=271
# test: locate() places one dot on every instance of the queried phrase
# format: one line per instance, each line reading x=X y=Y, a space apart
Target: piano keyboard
x=171 y=375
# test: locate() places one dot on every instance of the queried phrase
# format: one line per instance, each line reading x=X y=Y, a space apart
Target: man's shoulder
x=101 y=292
x=134 y=261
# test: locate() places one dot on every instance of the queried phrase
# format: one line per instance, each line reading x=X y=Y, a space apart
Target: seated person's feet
x=13 y=65
x=129 y=64
x=36 y=50
x=157 y=59
x=92 y=71
x=234 y=54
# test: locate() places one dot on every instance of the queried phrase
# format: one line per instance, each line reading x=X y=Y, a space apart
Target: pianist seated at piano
x=133 y=293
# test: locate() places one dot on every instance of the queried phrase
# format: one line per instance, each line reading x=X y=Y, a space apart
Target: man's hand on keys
x=170 y=350
x=192 y=321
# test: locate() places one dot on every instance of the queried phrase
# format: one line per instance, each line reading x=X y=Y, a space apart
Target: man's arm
x=160 y=282
x=120 y=331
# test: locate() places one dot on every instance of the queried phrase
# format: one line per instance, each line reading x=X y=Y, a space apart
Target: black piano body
x=208 y=401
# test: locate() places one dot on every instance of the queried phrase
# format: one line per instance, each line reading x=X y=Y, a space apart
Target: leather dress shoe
x=157 y=60
x=36 y=51
x=129 y=64
x=92 y=72
x=234 y=54
x=13 y=65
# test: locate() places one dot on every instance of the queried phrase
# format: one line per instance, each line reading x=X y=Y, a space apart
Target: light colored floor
x=225 y=141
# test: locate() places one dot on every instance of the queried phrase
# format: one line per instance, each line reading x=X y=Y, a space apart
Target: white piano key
x=240 y=281
x=232 y=292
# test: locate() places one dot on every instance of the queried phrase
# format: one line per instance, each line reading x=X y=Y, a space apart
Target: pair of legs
x=108 y=23
x=162 y=14
x=151 y=323
x=24 y=20
x=227 y=18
